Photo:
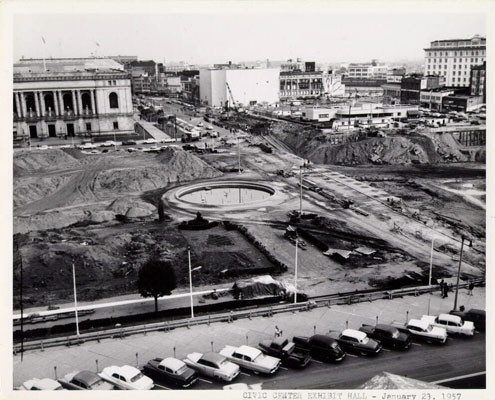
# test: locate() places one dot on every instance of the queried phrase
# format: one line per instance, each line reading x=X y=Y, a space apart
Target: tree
x=156 y=278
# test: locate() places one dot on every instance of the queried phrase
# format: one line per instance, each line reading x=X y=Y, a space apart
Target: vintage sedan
x=423 y=330
x=478 y=317
x=451 y=323
x=321 y=347
x=213 y=365
x=84 y=380
x=127 y=378
x=358 y=341
x=388 y=336
x=171 y=370
x=251 y=358
x=41 y=384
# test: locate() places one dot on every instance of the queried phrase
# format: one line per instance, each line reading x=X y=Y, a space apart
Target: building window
x=88 y=127
x=114 y=100
x=115 y=125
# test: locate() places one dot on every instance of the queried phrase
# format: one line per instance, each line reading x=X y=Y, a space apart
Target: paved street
x=441 y=361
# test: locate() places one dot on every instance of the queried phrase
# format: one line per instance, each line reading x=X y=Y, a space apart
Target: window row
x=460 y=53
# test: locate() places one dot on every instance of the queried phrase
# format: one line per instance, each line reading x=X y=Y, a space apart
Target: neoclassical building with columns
x=81 y=97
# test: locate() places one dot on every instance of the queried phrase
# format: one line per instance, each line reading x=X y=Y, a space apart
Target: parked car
x=129 y=143
x=423 y=330
x=288 y=352
x=87 y=146
x=478 y=317
x=149 y=141
x=251 y=358
x=321 y=347
x=84 y=380
x=452 y=323
x=213 y=365
x=358 y=341
x=213 y=134
x=388 y=336
x=172 y=371
x=200 y=124
x=108 y=143
x=127 y=378
x=41 y=384
x=243 y=386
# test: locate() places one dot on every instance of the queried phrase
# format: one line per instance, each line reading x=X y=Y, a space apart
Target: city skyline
x=208 y=38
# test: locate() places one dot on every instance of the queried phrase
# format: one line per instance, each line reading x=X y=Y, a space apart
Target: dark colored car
x=84 y=380
x=357 y=341
x=290 y=354
x=171 y=370
x=321 y=347
x=478 y=317
x=388 y=336
x=129 y=143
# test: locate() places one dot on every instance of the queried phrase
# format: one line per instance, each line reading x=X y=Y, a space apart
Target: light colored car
x=251 y=358
x=108 y=143
x=214 y=134
x=127 y=378
x=200 y=124
x=44 y=147
x=209 y=128
x=452 y=323
x=213 y=365
x=65 y=146
x=86 y=146
x=149 y=141
x=41 y=384
x=243 y=386
x=426 y=331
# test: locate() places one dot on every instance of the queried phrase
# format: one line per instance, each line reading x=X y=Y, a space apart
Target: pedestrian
x=442 y=288
x=446 y=290
x=278 y=332
x=470 y=288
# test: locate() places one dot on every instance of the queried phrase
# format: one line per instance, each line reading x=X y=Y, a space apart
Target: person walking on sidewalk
x=278 y=332
x=470 y=288
x=442 y=288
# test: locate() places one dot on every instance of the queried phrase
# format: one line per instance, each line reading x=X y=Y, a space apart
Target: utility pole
x=459 y=271
x=22 y=305
x=239 y=152
x=75 y=298
x=190 y=279
x=295 y=274
x=301 y=191
x=431 y=261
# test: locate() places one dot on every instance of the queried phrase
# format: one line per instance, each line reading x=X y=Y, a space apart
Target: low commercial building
x=411 y=87
x=71 y=97
x=462 y=103
x=319 y=114
x=433 y=99
x=221 y=87
x=391 y=92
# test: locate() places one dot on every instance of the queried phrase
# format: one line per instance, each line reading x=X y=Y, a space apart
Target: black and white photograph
x=246 y=199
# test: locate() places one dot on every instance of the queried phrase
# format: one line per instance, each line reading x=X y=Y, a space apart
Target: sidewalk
x=108 y=352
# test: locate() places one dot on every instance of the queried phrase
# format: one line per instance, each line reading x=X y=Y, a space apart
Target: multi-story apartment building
x=453 y=59
x=477 y=85
x=371 y=70
x=71 y=97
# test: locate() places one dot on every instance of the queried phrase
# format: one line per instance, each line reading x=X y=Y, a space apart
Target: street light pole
x=75 y=298
x=431 y=261
x=295 y=276
x=301 y=190
x=459 y=271
x=190 y=280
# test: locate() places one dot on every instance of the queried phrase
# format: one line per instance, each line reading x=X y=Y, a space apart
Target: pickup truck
x=321 y=346
x=290 y=354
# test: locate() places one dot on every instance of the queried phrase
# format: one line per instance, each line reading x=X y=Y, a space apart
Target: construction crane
x=234 y=106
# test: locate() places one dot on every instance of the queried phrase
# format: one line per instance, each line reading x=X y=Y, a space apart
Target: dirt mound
x=174 y=166
x=131 y=208
x=101 y=216
x=28 y=161
x=30 y=189
x=48 y=220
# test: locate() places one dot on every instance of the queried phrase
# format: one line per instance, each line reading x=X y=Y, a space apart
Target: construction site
x=361 y=212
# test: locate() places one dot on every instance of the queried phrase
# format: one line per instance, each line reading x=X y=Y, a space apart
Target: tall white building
x=454 y=58
x=71 y=97
x=248 y=86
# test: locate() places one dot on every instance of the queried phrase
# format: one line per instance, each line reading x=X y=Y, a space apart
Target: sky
x=219 y=37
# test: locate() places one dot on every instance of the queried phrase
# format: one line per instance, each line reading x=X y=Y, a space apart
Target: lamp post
x=431 y=261
x=459 y=270
x=75 y=298
x=295 y=275
x=301 y=189
x=190 y=278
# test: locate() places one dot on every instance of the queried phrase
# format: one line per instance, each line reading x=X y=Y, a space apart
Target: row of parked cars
x=267 y=358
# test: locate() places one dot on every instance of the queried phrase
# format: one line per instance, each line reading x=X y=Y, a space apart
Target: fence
x=230 y=317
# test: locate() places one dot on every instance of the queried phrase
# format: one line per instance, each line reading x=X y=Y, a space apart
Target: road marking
x=459 y=377
x=286 y=369
x=204 y=380
x=319 y=362
x=351 y=355
x=416 y=344
x=162 y=387
x=243 y=373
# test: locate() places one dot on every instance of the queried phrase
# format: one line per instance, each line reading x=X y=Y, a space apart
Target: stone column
x=18 y=104
x=96 y=103
x=61 y=102
x=79 y=100
x=23 y=104
x=74 y=104
x=37 y=102
x=55 y=102
x=91 y=101
x=42 y=103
